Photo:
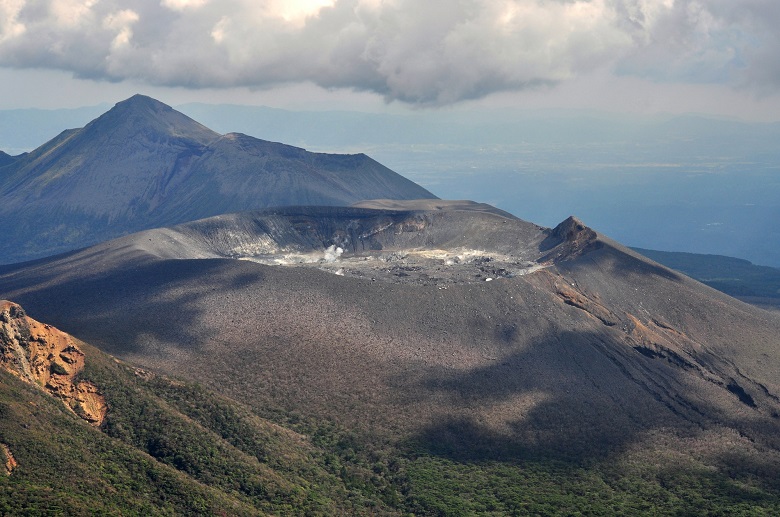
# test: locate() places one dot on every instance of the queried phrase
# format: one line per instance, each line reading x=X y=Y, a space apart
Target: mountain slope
x=162 y=446
x=577 y=351
x=143 y=164
x=6 y=159
x=169 y=446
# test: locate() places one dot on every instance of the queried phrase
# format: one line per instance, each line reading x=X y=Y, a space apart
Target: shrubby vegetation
x=173 y=448
x=67 y=467
x=444 y=487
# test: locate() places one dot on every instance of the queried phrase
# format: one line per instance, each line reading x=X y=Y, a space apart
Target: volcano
x=424 y=356
x=451 y=325
x=144 y=165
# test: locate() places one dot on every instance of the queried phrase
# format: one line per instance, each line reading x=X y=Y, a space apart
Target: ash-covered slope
x=577 y=346
x=143 y=165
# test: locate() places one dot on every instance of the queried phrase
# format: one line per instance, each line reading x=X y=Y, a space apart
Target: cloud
x=10 y=27
x=121 y=23
x=181 y=5
x=429 y=53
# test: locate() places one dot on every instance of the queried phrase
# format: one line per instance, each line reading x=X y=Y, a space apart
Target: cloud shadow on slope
x=103 y=307
x=580 y=398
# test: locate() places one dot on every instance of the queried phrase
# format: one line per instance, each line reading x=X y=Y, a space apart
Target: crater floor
x=424 y=267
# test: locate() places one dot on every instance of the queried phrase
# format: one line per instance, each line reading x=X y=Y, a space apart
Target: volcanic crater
x=411 y=242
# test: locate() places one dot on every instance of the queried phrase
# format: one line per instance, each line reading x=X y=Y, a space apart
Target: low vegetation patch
x=169 y=447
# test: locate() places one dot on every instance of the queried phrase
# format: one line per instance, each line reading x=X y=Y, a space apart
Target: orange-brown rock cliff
x=49 y=358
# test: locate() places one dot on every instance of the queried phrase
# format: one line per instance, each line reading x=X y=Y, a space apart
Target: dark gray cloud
x=433 y=52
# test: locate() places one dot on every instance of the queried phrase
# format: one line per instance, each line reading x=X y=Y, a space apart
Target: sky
x=719 y=57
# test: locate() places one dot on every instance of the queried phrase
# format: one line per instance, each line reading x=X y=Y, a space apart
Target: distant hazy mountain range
x=143 y=164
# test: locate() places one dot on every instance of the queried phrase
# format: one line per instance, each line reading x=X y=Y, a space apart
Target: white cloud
x=10 y=27
x=433 y=52
x=181 y=5
x=220 y=29
x=121 y=23
x=72 y=13
x=296 y=11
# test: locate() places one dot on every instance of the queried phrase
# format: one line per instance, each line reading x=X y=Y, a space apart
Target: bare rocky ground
x=434 y=267
x=49 y=359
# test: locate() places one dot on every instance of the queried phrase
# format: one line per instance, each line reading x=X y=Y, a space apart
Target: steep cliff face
x=49 y=358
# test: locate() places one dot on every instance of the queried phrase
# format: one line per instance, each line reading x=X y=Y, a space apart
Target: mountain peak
x=142 y=102
x=576 y=239
x=139 y=98
x=571 y=229
x=140 y=114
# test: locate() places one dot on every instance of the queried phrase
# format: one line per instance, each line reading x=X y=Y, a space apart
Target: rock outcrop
x=49 y=358
x=570 y=240
x=10 y=461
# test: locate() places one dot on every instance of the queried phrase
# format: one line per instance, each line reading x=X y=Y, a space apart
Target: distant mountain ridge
x=143 y=164
x=736 y=277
